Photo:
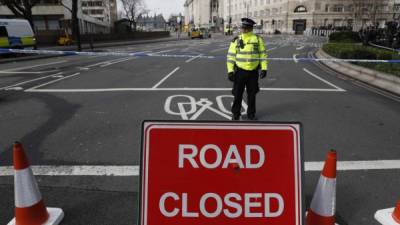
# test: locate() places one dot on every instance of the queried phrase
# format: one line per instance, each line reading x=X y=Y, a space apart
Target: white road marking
x=126 y=171
x=164 y=51
x=27 y=72
x=295 y=59
x=51 y=82
x=166 y=77
x=102 y=63
x=191 y=59
x=323 y=80
x=119 y=61
x=300 y=48
x=178 y=89
x=14 y=89
x=39 y=65
x=29 y=81
x=271 y=49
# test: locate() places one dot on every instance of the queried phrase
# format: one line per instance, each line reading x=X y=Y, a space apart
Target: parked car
x=16 y=33
x=205 y=33
x=200 y=33
x=195 y=33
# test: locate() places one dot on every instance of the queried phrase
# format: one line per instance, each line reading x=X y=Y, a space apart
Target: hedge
x=345 y=36
x=358 y=51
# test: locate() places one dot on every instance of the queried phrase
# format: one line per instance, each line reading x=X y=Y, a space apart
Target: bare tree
x=21 y=8
x=367 y=10
x=132 y=10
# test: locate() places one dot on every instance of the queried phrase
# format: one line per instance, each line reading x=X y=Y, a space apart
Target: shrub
x=345 y=37
x=385 y=56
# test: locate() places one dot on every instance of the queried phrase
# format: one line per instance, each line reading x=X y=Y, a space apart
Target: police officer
x=246 y=58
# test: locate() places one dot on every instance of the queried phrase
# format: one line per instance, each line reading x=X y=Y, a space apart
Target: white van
x=16 y=33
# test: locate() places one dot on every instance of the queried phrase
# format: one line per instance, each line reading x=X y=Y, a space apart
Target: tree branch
x=65 y=6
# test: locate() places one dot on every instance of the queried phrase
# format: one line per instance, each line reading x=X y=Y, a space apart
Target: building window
x=349 y=8
x=338 y=8
x=318 y=6
x=326 y=8
x=300 y=9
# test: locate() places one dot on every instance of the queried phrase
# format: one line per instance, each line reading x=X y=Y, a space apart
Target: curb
x=86 y=46
x=381 y=80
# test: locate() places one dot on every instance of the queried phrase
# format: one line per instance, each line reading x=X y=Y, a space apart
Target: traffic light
x=262 y=22
x=273 y=22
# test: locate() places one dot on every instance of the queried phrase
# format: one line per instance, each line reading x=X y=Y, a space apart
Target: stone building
x=148 y=23
x=52 y=16
x=205 y=13
x=296 y=16
x=103 y=10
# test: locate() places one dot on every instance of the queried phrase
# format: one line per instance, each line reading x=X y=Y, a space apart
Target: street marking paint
x=29 y=81
x=102 y=63
x=190 y=109
x=323 y=80
x=164 y=51
x=177 y=89
x=26 y=72
x=271 y=49
x=51 y=82
x=14 y=89
x=300 y=48
x=119 y=61
x=39 y=65
x=295 y=59
x=126 y=171
x=166 y=77
x=191 y=59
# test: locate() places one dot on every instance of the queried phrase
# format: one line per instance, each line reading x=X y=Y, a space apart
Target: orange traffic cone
x=389 y=216
x=29 y=206
x=323 y=204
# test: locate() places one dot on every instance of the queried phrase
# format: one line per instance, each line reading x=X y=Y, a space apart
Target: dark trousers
x=249 y=80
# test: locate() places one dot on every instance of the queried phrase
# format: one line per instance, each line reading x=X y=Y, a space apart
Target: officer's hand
x=231 y=76
x=263 y=74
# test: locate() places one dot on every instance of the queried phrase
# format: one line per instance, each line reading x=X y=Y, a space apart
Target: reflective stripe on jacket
x=250 y=56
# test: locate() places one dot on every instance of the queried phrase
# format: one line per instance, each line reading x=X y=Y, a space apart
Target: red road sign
x=221 y=173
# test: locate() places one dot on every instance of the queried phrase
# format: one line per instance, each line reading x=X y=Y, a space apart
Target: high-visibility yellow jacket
x=251 y=55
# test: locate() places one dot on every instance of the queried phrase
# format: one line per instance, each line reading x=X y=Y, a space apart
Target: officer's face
x=246 y=29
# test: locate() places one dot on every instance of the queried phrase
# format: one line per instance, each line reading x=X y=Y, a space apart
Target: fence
x=319 y=32
x=50 y=38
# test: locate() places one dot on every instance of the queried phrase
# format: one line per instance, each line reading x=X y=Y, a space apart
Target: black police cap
x=248 y=23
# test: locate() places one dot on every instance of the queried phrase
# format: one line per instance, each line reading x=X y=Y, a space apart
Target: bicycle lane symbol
x=188 y=108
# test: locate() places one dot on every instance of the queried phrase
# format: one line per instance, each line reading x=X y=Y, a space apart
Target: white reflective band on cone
x=324 y=200
x=26 y=189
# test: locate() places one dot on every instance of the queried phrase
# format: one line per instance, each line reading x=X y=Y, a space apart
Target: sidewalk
x=375 y=78
x=96 y=46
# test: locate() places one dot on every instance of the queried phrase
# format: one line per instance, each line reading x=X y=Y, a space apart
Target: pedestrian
x=246 y=61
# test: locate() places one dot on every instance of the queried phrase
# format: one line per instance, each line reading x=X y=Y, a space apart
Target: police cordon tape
x=142 y=54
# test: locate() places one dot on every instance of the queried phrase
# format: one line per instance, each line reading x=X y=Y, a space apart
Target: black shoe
x=251 y=117
x=236 y=117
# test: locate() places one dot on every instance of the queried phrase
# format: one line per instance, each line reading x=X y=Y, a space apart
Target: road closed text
x=232 y=205
x=229 y=205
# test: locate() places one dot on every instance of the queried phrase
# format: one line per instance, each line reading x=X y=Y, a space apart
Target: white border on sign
x=295 y=128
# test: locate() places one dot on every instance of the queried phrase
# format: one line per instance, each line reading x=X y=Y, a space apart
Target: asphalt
x=95 y=117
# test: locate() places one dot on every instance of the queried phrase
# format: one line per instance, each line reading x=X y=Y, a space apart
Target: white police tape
x=142 y=54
